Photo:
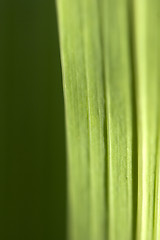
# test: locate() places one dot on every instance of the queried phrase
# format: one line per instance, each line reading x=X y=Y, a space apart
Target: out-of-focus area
x=32 y=140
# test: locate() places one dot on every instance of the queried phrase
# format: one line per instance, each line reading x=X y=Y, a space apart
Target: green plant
x=109 y=53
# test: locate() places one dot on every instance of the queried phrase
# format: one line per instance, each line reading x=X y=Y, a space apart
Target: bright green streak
x=147 y=80
x=118 y=78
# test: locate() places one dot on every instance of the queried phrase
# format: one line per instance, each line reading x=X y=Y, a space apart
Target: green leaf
x=109 y=52
x=77 y=126
x=148 y=83
x=118 y=78
x=85 y=117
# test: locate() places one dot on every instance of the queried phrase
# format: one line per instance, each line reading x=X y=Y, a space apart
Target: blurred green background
x=32 y=140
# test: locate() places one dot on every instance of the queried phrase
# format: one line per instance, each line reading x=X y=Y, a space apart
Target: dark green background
x=32 y=141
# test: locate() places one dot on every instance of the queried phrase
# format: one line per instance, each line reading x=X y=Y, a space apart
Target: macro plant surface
x=110 y=55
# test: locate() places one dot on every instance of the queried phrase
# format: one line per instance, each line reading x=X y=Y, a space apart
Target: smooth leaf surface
x=109 y=51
